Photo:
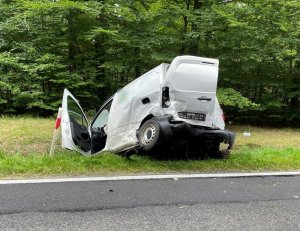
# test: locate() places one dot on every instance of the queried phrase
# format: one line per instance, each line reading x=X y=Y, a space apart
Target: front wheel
x=150 y=136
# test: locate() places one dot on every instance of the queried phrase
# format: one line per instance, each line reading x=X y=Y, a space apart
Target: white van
x=172 y=107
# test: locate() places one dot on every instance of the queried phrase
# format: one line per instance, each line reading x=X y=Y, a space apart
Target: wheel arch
x=148 y=117
x=163 y=122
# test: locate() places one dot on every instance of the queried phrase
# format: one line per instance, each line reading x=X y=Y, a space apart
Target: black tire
x=213 y=149
x=150 y=136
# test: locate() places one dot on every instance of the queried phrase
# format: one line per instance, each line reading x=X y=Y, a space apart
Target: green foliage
x=95 y=47
x=232 y=98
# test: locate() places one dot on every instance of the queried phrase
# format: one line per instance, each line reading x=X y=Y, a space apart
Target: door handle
x=146 y=100
x=204 y=98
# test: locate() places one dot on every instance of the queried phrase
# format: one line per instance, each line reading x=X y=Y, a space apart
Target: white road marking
x=148 y=177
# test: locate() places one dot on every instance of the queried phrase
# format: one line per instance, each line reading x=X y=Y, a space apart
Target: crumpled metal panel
x=127 y=110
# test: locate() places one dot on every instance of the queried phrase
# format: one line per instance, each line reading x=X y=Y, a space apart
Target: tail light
x=223 y=115
x=165 y=97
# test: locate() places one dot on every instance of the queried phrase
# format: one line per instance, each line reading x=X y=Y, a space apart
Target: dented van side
x=176 y=100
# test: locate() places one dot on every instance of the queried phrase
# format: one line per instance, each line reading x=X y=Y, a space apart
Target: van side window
x=102 y=117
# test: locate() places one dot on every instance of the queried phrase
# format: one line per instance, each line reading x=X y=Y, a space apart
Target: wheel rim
x=148 y=134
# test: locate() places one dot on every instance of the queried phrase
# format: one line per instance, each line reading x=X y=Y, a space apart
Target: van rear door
x=192 y=83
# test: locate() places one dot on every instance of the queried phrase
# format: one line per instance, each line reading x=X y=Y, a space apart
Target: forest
x=94 y=47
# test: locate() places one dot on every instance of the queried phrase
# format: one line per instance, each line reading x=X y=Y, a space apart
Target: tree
x=94 y=47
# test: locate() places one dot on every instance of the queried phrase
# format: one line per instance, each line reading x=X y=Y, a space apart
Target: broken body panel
x=184 y=91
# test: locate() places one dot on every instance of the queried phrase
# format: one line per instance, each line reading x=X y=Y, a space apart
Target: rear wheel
x=150 y=136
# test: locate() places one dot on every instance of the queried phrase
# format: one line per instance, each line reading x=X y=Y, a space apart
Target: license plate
x=192 y=116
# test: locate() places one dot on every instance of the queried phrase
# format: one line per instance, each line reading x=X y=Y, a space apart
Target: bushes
x=95 y=47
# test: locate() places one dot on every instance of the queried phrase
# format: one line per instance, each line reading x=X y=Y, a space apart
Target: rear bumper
x=186 y=132
x=224 y=136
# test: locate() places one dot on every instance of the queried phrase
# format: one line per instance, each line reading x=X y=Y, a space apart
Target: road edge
x=149 y=177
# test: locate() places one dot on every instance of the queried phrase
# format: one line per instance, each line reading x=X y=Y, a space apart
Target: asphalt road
x=271 y=215
x=255 y=203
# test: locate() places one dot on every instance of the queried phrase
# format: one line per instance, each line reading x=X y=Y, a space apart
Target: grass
x=25 y=143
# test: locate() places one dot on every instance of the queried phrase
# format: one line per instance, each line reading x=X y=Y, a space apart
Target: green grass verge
x=25 y=143
x=67 y=164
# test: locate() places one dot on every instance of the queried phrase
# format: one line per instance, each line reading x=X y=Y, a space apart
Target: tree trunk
x=185 y=27
x=296 y=86
x=194 y=43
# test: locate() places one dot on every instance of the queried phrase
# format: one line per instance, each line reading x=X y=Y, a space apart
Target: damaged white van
x=172 y=109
